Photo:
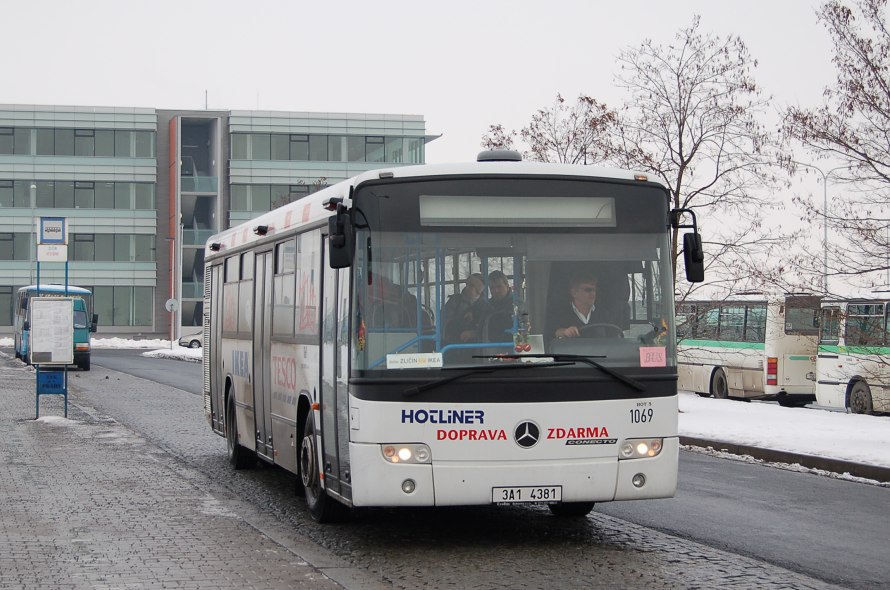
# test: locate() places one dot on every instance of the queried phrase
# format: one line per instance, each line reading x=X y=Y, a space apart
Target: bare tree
x=852 y=127
x=566 y=133
x=694 y=121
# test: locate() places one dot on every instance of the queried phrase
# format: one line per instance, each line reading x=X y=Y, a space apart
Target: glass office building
x=143 y=189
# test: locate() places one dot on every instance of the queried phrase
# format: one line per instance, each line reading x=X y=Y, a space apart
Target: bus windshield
x=463 y=275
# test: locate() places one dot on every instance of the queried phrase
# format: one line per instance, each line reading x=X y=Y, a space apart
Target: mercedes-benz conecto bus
x=330 y=347
x=84 y=320
x=750 y=346
x=853 y=368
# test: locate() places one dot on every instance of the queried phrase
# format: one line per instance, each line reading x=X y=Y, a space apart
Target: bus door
x=217 y=379
x=262 y=330
x=333 y=392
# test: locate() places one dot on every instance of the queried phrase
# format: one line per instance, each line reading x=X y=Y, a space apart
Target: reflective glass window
x=122 y=247
x=45 y=142
x=45 y=191
x=64 y=142
x=6 y=193
x=144 y=248
x=123 y=298
x=260 y=144
x=299 y=147
x=64 y=194
x=145 y=195
x=104 y=195
x=84 y=142
x=84 y=195
x=5 y=306
x=104 y=247
x=6 y=251
x=239 y=146
x=143 y=144
x=280 y=149
x=239 y=198
x=122 y=195
x=143 y=298
x=261 y=197
x=23 y=141
x=414 y=147
x=104 y=143
x=22 y=193
x=7 y=140
x=395 y=149
x=337 y=148
x=84 y=247
x=318 y=148
x=122 y=144
x=21 y=245
x=355 y=148
x=374 y=149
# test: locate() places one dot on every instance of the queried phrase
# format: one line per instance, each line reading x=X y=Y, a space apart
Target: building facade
x=143 y=189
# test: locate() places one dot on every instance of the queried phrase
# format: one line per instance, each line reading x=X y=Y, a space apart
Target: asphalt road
x=833 y=530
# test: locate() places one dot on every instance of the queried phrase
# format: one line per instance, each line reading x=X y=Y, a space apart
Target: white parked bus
x=751 y=346
x=326 y=351
x=853 y=368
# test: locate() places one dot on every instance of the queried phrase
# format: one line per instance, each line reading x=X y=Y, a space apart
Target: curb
x=875 y=472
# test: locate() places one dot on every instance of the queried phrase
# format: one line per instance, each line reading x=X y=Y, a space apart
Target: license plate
x=526 y=495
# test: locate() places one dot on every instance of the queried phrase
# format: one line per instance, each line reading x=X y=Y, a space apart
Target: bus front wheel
x=859 y=401
x=719 y=385
x=322 y=507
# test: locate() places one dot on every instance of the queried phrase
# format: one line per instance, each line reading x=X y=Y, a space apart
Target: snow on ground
x=810 y=431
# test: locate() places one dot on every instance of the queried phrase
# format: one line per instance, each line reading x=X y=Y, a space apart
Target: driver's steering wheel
x=609 y=330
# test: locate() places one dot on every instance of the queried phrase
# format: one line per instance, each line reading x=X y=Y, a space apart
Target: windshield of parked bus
x=457 y=279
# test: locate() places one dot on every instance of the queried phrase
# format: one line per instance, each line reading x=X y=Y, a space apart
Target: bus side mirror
x=95 y=323
x=341 y=240
x=693 y=258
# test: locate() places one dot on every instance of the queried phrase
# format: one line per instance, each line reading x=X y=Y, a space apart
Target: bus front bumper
x=376 y=482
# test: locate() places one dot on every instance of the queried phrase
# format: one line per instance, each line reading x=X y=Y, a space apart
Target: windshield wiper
x=476 y=371
x=588 y=360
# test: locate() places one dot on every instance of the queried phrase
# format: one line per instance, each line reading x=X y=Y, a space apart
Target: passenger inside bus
x=499 y=321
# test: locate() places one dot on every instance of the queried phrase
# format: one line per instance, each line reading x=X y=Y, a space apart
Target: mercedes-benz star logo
x=527 y=434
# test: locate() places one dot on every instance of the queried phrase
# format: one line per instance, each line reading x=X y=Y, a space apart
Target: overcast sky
x=461 y=64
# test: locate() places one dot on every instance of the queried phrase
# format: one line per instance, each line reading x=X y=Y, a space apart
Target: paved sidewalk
x=87 y=503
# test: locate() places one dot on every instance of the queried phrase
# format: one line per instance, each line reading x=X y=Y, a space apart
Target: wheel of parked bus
x=84 y=365
x=719 y=385
x=571 y=509
x=322 y=507
x=239 y=457
x=859 y=401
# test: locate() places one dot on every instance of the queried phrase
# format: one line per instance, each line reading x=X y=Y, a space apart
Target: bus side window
x=829 y=325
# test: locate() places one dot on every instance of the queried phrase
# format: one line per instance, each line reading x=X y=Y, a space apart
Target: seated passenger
x=499 y=320
x=464 y=312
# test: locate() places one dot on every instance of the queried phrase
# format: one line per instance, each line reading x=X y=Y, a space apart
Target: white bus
x=751 y=346
x=853 y=368
x=325 y=348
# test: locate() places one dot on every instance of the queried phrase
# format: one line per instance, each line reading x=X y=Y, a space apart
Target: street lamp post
x=825 y=175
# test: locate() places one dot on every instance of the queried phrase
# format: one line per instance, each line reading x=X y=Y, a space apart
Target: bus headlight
x=637 y=448
x=406 y=453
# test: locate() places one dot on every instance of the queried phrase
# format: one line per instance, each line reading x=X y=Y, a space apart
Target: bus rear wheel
x=239 y=457
x=860 y=401
x=322 y=507
x=571 y=509
x=719 y=385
